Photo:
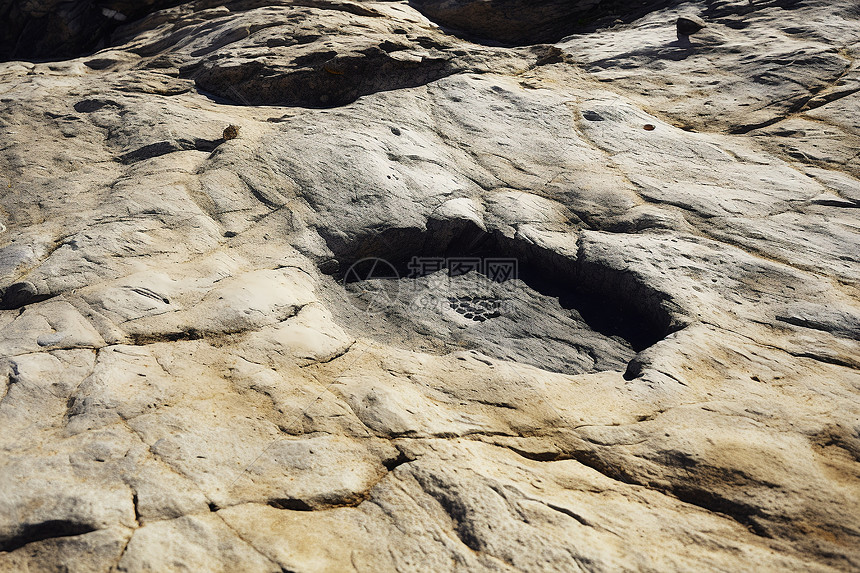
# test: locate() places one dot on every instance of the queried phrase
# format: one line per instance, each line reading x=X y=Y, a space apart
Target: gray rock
x=61 y=28
x=306 y=347
x=508 y=21
x=18 y=295
x=689 y=25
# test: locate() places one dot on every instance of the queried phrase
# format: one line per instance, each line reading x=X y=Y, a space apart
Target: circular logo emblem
x=372 y=285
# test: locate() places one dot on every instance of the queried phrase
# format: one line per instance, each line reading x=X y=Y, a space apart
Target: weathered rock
x=508 y=21
x=689 y=24
x=53 y=29
x=591 y=306
x=18 y=295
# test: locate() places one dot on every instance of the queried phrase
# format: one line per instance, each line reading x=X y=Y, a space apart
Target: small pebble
x=688 y=25
x=230 y=132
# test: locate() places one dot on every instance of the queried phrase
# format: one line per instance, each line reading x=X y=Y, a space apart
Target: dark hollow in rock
x=555 y=313
x=552 y=55
x=840 y=324
x=291 y=504
x=688 y=25
x=330 y=81
x=523 y=22
x=20 y=294
x=60 y=29
x=52 y=529
x=592 y=116
x=164 y=147
x=508 y=21
x=93 y=105
x=100 y=63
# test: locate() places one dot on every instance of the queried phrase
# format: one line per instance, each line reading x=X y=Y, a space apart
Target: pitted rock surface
x=203 y=368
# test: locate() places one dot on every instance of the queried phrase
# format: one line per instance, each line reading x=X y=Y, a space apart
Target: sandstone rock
x=19 y=294
x=199 y=542
x=442 y=305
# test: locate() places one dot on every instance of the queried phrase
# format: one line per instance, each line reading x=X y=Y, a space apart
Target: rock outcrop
x=329 y=285
x=57 y=29
x=509 y=21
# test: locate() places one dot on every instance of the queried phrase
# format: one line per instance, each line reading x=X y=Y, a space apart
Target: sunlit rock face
x=329 y=285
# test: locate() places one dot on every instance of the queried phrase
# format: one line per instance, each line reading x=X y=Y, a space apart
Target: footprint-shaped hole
x=562 y=315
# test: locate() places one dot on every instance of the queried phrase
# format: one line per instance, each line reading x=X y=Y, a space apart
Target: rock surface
x=266 y=350
x=48 y=29
x=508 y=21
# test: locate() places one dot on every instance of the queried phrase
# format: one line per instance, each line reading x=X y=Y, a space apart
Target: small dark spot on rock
x=688 y=25
x=592 y=115
x=634 y=370
x=649 y=127
x=291 y=504
x=395 y=131
x=329 y=267
x=230 y=132
x=101 y=63
x=18 y=295
x=552 y=55
x=91 y=105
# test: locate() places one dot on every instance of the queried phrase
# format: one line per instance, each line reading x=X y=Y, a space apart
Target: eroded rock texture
x=219 y=354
